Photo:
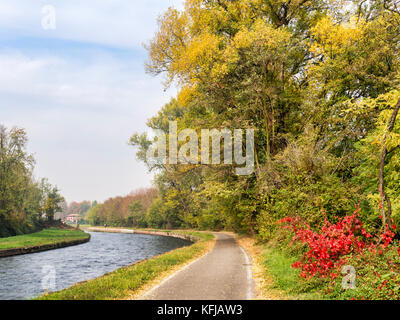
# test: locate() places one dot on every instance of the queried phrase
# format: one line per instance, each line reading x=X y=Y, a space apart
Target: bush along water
x=330 y=253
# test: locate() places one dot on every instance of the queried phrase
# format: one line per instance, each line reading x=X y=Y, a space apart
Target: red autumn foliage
x=329 y=246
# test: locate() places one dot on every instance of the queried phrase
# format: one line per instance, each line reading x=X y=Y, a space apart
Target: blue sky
x=80 y=90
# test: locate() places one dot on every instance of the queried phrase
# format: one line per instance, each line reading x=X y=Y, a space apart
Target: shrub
x=346 y=242
x=377 y=275
x=329 y=246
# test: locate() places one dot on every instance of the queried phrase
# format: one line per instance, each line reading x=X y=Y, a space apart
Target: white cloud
x=81 y=99
x=101 y=85
x=79 y=118
x=120 y=23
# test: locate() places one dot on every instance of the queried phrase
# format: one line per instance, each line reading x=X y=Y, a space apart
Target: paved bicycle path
x=222 y=274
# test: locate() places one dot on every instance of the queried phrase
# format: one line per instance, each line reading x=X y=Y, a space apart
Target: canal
x=28 y=276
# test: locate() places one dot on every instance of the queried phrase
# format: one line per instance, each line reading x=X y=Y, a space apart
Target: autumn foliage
x=328 y=249
x=123 y=210
x=319 y=85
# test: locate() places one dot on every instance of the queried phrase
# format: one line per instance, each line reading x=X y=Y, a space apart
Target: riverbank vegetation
x=25 y=203
x=131 y=281
x=318 y=81
x=44 y=237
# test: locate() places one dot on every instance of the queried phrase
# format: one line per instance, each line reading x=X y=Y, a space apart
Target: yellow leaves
x=202 y=49
x=182 y=51
x=390 y=99
x=357 y=53
x=261 y=33
x=205 y=17
x=186 y=95
x=168 y=43
x=197 y=59
x=385 y=103
x=382 y=102
x=335 y=38
x=210 y=56
x=210 y=16
x=217 y=189
x=374 y=198
x=190 y=45
x=393 y=140
x=228 y=59
x=171 y=198
x=262 y=36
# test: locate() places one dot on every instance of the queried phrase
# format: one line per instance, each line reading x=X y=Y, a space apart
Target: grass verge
x=278 y=264
x=274 y=277
x=44 y=237
x=129 y=282
x=264 y=289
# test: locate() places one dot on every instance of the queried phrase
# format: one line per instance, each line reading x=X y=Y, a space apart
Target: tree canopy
x=317 y=80
x=24 y=202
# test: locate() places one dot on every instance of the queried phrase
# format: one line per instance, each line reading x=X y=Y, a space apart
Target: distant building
x=73 y=218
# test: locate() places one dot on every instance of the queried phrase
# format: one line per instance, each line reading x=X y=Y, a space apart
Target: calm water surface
x=23 y=277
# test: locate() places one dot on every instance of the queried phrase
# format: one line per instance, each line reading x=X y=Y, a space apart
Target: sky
x=77 y=84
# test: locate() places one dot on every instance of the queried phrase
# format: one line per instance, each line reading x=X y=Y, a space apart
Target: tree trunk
x=384 y=198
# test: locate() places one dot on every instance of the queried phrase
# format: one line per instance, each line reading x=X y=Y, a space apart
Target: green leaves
x=314 y=81
x=20 y=194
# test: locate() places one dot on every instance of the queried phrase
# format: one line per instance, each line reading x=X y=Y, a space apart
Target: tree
x=378 y=171
x=22 y=198
x=124 y=211
x=17 y=187
x=297 y=72
x=137 y=216
x=92 y=215
x=52 y=201
x=385 y=153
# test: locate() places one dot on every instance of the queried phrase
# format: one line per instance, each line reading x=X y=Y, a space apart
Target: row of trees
x=25 y=203
x=318 y=80
x=129 y=211
x=79 y=208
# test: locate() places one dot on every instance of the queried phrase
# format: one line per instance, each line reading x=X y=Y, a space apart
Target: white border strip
x=249 y=294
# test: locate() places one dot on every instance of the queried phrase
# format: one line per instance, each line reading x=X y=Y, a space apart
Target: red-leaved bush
x=329 y=246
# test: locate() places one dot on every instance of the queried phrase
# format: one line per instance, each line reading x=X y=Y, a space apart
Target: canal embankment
x=130 y=282
x=185 y=235
x=44 y=240
x=31 y=275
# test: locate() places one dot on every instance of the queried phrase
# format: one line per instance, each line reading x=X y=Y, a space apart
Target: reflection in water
x=22 y=277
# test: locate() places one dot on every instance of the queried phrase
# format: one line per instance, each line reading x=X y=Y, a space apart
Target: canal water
x=28 y=276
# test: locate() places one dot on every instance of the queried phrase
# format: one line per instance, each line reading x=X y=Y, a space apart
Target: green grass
x=278 y=265
x=47 y=236
x=126 y=281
